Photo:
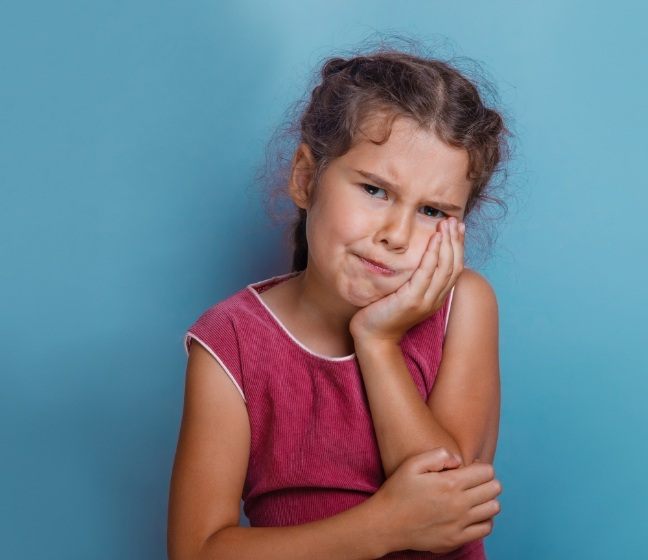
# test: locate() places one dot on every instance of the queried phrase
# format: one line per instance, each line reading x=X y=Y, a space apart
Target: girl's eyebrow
x=384 y=183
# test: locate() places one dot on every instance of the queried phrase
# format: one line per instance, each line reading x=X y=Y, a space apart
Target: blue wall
x=129 y=136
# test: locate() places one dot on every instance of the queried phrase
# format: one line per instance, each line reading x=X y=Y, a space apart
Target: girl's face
x=382 y=202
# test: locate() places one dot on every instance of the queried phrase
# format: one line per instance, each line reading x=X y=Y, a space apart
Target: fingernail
x=462 y=228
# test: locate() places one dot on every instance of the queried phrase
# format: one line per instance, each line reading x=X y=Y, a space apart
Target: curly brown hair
x=391 y=81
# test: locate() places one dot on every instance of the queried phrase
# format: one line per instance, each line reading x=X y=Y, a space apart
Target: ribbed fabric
x=313 y=450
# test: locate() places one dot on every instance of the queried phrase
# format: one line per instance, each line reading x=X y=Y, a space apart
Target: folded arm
x=462 y=411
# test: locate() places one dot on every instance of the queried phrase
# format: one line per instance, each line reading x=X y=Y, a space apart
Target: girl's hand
x=390 y=317
x=431 y=503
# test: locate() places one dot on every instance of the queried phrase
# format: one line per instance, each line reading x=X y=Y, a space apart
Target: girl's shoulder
x=473 y=289
x=221 y=317
x=217 y=330
x=474 y=310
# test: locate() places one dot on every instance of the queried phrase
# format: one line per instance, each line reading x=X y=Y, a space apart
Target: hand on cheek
x=422 y=294
x=441 y=273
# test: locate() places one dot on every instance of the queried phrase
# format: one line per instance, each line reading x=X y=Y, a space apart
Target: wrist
x=384 y=537
x=368 y=342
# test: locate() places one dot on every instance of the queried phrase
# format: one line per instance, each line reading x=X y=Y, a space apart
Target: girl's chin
x=364 y=297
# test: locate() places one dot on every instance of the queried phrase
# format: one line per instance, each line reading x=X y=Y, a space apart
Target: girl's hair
x=394 y=83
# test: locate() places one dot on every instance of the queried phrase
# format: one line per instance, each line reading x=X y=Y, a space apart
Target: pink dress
x=313 y=450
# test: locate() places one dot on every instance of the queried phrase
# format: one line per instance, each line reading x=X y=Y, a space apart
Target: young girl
x=353 y=403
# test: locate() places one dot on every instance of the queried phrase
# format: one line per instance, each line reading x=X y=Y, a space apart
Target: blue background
x=129 y=136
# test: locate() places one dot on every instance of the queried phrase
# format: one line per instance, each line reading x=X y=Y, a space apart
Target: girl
x=353 y=403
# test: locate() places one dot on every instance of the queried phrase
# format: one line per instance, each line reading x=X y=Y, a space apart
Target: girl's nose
x=396 y=231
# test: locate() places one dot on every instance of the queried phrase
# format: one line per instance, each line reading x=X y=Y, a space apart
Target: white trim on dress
x=283 y=327
x=448 y=314
x=189 y=335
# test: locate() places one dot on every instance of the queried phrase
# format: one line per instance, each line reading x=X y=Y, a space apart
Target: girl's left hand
x=390 y=317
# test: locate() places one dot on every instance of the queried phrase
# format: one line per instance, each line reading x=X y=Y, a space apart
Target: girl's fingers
x=422 y=276
x=483 y=493
x=442 y=261
x=446 y=254
x=477 y=531
x=483 y=512
x=458 y=248
x=440 y=282
x=449 y=271
x=473 y=475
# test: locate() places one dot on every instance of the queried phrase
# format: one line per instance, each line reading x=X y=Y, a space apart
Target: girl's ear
x=301 y=176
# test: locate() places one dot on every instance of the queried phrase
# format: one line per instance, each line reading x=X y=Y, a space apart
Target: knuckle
x=450 y=482
x=444 y=452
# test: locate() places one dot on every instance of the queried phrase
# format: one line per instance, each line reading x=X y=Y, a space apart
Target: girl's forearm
x=359 y=533
x=403 y=422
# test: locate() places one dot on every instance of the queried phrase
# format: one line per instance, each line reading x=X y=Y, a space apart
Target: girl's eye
x=368 y=187
x=439 y=213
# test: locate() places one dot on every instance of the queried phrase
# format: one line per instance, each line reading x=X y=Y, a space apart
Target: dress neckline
x=256 y=288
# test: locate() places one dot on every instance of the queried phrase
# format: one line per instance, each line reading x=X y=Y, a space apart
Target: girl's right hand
x=431 y=509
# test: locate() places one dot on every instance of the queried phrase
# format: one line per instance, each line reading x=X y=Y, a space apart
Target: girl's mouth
x=376 y=268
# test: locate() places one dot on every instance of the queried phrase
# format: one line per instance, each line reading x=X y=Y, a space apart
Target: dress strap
x=445 y=328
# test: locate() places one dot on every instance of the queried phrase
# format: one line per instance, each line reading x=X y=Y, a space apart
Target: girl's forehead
x=405 y=137
x=410 y=153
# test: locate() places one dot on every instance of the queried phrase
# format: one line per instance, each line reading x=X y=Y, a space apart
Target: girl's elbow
x=469 y=455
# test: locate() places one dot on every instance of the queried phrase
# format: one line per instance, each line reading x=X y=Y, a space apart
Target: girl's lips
x=376 y=268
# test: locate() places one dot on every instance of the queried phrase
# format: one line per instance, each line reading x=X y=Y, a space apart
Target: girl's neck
x=312 y=313
x=315 y=302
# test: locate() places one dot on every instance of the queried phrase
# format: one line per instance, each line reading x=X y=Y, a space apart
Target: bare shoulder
x=475 y=290
x=473 y=284
x=474 y=303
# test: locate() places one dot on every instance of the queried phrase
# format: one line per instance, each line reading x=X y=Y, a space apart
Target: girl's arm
x=462 y=411
x=466 y=394
x=208 y=475
x=354 y=534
